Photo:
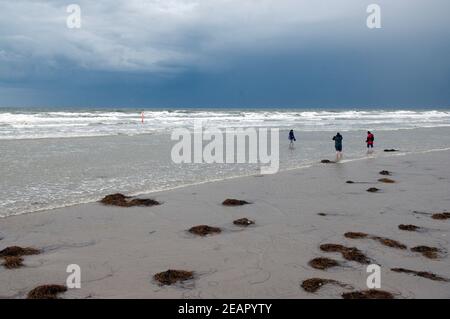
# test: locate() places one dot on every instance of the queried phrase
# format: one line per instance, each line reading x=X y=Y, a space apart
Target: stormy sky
x=225 y=53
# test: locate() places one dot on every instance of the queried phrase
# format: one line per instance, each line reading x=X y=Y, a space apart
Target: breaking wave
x=65 y=124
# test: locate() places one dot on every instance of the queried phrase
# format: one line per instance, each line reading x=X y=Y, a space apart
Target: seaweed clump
x=408 y=227
x=13 y=256
x=389 y=242
x=323 y=263
x=368 y=294
x=12 y=262
x=126 y=201
x=234 y=202
x=349 y=253
x=386 y=180
x=16 y=251
x=171 y=276
x=355 y=235
x=46 y=292
x=429 y=252
x=441 y=216
x=243 y=222
x=384 y=241
x=313 y=284
x=203 y=230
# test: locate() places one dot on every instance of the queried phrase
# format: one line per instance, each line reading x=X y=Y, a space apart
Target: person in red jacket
x=370 y=139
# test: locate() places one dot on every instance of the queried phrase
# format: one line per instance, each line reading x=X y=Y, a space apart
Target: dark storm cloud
x=225 y=53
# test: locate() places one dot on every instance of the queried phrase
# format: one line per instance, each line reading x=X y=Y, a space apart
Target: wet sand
x=119 y=249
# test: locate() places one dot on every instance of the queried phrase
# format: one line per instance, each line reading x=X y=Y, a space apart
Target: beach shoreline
x=306 y=165
x=44 y=173
x=295 y=211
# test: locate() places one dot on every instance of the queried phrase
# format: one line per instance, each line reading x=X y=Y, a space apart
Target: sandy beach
x=119 y=249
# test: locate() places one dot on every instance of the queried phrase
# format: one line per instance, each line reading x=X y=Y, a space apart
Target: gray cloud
x=122 y=41
x=168 y=35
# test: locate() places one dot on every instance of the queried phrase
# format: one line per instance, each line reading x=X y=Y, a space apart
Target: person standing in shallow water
x=369 y=141
x=292 y=139
x=338 y=145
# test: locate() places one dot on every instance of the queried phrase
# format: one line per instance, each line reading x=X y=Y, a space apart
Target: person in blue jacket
x=338 y=145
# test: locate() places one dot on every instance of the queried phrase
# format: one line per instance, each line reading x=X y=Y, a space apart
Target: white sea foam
x=54 y=124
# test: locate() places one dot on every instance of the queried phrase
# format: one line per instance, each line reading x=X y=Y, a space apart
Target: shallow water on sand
x=44 y=173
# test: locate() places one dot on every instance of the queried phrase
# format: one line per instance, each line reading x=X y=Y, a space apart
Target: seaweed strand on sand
x=423 y=274
x=234 y=202
x=383 y=240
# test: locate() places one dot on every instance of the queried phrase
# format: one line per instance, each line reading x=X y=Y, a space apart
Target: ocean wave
x=29 y=124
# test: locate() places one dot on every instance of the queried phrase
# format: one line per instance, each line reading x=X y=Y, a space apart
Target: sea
x=57 y=157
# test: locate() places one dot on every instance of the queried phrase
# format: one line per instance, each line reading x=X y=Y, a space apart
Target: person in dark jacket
x=338 y=145
x=292 y=138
